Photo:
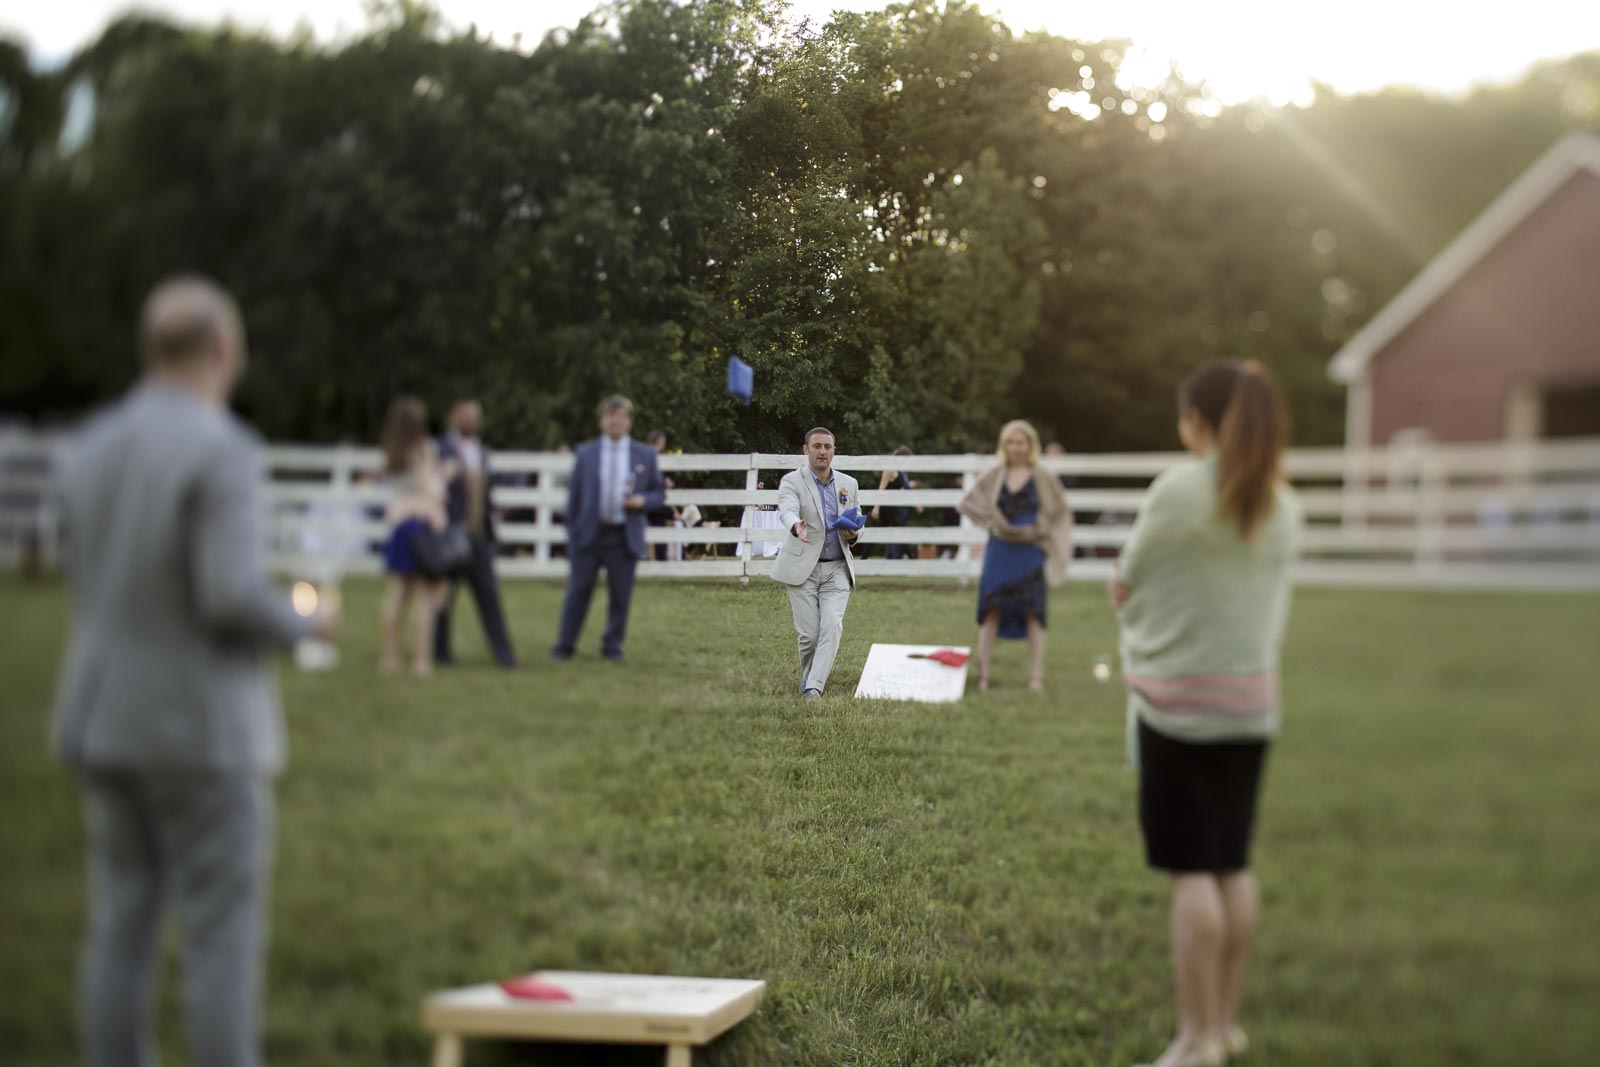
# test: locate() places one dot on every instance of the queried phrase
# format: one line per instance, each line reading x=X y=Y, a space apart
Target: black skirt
x=1197 y=802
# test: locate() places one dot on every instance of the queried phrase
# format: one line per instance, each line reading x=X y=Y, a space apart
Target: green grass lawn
x=918 y=885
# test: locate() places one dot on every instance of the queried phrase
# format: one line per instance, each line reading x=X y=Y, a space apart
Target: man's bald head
x=188 y=320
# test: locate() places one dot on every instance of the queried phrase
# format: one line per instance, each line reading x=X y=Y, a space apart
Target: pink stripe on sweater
x=1224 y=694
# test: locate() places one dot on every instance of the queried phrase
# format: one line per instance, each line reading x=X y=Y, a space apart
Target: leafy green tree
x=912 y=222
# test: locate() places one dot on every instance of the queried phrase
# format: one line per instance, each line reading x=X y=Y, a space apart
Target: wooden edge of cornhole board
x=621 y=1009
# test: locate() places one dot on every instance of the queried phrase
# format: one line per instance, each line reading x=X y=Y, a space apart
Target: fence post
x=542 y=521
x=968 y=479
x=13 y=527
x=45 y=529
x=340 y=541
x=747 y=548
x=11 y=531
x=1432 y=480
x=1357 y=485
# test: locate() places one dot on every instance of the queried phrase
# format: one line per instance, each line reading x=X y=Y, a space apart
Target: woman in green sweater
x=1202 y=595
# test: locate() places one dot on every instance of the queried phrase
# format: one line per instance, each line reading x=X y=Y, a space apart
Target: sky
x=1242 y=49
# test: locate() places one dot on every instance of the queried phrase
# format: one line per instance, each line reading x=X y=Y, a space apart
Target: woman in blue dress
x=416 y=483
x=1030 y=526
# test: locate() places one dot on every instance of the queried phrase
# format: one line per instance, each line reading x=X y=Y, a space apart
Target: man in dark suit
x=615 y=481
x=167 y=709
x=467 y=504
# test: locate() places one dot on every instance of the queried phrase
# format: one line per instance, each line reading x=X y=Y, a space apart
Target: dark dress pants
x=480 y=578
x=610 y=551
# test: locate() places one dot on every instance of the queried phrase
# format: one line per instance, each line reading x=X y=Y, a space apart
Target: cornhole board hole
x=891 y=674
x=613 y=1009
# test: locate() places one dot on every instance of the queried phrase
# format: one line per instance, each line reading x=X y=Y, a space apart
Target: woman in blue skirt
x=416 y=483
x=1025 y=511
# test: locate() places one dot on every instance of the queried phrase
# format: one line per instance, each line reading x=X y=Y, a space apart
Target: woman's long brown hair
x=405 y=425
x=1242 y=405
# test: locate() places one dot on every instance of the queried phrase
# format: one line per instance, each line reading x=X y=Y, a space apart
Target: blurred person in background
x=1030 y=525
x=614 y=482
x=416 y=510
x=665 y=515
x=1202 y=595
x=167 y=709
x=897 y=515
x=467 y=504
x=1056 y=450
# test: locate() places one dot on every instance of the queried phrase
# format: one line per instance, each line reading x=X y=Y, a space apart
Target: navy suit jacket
x=455 y=501
x=583 y=495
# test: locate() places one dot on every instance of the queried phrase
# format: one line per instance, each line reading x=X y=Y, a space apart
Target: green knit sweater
x=1205 y=618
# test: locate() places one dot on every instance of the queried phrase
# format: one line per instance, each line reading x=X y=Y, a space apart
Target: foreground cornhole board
x=890 y=674
x=613 y=1009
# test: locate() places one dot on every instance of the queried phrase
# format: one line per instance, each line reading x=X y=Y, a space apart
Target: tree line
x=913 y=223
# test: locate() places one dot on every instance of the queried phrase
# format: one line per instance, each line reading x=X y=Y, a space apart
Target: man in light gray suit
x=167 y=710
x=814 y=561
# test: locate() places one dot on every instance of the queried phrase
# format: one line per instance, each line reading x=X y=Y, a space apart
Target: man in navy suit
x=615 y=481
x=467 y=503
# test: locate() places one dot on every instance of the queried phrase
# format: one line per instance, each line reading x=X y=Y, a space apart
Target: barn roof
x=1569 y=156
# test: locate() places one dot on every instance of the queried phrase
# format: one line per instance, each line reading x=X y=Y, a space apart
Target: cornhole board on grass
x=891 y=674
x=620 y=1009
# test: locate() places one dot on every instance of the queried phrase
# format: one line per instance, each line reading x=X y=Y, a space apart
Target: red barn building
x=1498 y=339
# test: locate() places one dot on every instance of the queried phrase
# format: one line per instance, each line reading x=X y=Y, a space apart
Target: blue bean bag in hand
x=850 y=519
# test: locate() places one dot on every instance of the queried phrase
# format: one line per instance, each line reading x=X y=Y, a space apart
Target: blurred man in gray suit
x=167 y=710
x=815 y=561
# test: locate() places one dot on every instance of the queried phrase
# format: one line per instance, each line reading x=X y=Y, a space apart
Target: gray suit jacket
x=162 y=505
x=798 y=500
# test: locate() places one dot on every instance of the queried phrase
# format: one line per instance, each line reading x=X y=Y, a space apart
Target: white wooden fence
x=1478 y=516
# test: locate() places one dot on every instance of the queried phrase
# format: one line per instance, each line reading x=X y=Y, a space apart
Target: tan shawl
x=1051 y=531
